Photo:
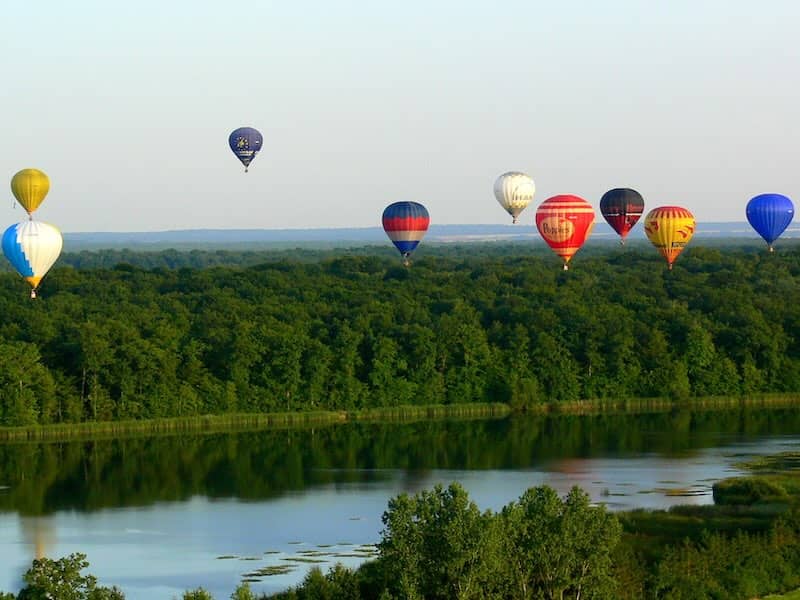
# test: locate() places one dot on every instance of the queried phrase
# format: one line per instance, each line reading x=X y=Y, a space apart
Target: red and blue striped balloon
x=406 y=223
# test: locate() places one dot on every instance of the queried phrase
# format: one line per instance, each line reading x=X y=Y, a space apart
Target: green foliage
x=437 y=544
x=560 y=548
x=748 y=490
x=243 y=592
x=170 y=334
x=339 y=583
x=62 y=579
x=197 y=594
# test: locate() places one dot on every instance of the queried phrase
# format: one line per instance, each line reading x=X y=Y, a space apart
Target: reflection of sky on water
x=161 y=550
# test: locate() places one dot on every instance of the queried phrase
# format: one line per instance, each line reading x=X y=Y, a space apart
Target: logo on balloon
x=556 y=229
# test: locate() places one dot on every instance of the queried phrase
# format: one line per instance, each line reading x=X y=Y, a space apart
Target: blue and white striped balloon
x=32 y=247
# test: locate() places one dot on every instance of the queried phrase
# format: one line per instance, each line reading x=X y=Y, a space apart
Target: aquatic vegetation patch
x=303 y=559
x=269 y=571
x=784 y=462
x=681 y=492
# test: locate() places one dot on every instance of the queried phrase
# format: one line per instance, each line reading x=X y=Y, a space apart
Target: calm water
x=157 y=516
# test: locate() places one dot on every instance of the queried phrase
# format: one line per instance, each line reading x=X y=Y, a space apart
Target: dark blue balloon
x=770 y=215
x=245 y=143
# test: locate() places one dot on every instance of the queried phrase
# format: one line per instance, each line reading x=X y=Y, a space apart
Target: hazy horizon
x=128 y=108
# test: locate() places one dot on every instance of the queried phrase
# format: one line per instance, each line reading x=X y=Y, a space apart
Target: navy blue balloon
x=245 y=143
x=770 y=215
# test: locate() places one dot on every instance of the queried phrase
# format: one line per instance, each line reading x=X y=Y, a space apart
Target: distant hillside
x=276 y=238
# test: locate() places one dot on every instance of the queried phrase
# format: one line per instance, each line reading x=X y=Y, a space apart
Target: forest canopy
x=327 y=330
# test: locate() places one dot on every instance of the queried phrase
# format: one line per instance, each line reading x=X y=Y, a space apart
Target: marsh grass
x=259 y=421
x=650 y=531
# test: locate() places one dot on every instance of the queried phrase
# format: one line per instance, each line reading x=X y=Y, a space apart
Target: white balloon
x=514 y=191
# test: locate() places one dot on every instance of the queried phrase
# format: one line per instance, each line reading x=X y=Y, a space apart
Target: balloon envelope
x=669 y=229
x=245 y=143
x=622 y=208
x=565 y=222
x=30 y=186
x=32 y=247
x=514 y=191
x=770 y=215
x=405 y=223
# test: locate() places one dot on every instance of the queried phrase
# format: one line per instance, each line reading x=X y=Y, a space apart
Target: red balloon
x=565 y=222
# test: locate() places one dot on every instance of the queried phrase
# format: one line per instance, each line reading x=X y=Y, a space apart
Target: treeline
x=361 y=331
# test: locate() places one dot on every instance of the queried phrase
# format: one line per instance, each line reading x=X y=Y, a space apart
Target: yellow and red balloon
x=669 y=229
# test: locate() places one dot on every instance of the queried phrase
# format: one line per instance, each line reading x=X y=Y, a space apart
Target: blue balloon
x=245 y=143
x=770 y=215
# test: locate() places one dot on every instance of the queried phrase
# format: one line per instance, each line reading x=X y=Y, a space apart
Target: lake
x=159 y=515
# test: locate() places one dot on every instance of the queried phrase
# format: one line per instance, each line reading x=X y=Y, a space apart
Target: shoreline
x=398 y=414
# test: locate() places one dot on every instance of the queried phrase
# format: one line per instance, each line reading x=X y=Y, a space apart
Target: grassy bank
x=245 y=422
x=237 y=422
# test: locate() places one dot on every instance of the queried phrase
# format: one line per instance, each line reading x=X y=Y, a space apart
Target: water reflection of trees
x=89 y=475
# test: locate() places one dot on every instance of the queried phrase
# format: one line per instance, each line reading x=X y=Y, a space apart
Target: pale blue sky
x=128 y=106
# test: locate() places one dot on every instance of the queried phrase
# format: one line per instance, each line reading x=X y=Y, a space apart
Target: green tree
x=27 y=389
x=197 y=594
x=560 y=548
x=243 y=592
x=48 y=579
x=438 y=544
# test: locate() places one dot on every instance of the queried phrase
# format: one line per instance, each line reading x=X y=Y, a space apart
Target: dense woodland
x=348 y=330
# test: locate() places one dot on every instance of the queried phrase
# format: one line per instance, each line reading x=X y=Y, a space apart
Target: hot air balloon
x=32 y=247
x=621 y=208
x=30 y=186
x=565 y=223
x=405 y=223
x=770 y=215
x=245 y=143
x=514 y=191
x=669 y=229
